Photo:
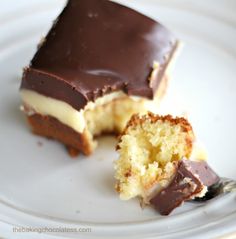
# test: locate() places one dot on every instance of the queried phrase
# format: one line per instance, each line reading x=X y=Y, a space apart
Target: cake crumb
x=72 y=151
x=40 y=144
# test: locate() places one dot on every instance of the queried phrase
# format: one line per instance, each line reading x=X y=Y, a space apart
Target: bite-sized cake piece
x=149 y=148
x=100 y=63
x=191 y=179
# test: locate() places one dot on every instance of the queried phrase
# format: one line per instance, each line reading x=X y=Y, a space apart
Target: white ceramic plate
x=40 y=186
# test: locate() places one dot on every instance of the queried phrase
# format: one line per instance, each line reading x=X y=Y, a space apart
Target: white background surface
x=41 y=186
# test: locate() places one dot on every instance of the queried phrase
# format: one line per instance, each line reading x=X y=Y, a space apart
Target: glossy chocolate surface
x=96 y=47
x=203 y=171
x=189 y=180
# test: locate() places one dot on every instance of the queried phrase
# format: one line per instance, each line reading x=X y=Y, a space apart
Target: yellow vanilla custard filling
x=58 y=109
x=107 y=113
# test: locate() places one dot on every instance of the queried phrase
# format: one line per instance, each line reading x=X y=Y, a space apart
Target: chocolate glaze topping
x=203 y=171
x=96 y=47
x=189 y=180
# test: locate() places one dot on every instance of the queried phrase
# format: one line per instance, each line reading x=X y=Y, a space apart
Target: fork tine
x=225 y=185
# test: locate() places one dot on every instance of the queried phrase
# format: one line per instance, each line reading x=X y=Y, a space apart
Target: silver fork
x=225 y=185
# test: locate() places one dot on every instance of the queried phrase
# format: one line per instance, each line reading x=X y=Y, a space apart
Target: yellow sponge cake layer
x=148 y=148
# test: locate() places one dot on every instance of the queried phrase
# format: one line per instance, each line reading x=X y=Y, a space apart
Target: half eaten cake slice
x=100 y=63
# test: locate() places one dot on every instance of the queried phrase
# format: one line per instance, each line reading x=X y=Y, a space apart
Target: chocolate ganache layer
x=190 y=179
x=97 y=47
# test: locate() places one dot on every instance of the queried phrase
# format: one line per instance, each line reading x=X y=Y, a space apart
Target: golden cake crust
x=136 y=119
